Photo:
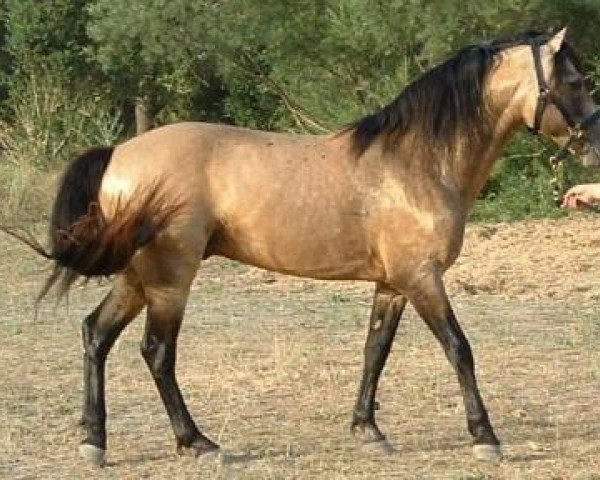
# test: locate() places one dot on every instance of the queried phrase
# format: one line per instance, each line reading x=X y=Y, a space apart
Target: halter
x=545 y=96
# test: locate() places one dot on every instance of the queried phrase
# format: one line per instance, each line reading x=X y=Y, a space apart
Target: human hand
x=585 y=195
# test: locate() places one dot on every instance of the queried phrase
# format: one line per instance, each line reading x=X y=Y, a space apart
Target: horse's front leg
x=385 y=315
x=429 y=298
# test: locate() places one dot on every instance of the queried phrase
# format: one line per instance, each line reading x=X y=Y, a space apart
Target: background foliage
x=72 y=71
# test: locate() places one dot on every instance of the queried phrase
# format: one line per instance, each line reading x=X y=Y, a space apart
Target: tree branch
x=302 y=118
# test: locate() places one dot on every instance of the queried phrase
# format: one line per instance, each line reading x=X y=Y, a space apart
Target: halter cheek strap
x=544 y=89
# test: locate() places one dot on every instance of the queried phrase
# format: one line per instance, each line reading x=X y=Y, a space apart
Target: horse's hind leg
x=159 y=349
x=167 y=276
x=385 y=315
x=431 y=302
x=100 y=329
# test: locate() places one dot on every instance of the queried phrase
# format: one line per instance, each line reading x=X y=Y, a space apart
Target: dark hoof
x=487 y=453
x=201 y=447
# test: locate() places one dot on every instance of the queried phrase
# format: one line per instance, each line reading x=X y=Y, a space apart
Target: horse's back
x=199 y=162
x=180 y=149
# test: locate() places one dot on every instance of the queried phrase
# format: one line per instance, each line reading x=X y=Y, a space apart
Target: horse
x=384 y=199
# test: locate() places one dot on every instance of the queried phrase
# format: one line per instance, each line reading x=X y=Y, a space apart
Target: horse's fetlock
x=186 y=439
x=361 y=417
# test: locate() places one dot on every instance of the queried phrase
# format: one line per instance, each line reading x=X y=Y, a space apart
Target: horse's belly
x=306 y=255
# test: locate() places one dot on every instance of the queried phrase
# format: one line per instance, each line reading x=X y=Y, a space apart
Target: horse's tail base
x=83 y=240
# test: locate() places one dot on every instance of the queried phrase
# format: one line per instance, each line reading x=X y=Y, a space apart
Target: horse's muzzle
x=591 y=158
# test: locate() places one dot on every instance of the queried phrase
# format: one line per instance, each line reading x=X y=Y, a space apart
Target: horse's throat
x=474 y=161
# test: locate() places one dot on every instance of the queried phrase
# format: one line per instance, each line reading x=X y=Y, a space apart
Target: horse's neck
x=470 y=166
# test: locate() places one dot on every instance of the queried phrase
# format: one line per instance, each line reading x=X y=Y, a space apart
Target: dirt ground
x=270 y=365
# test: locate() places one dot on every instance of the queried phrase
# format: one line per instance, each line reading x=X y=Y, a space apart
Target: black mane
x=442 y=101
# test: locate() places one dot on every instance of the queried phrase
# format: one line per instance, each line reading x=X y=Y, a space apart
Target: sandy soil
x=554 y=259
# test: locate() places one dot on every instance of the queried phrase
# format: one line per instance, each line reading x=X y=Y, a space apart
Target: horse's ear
x=557 y=39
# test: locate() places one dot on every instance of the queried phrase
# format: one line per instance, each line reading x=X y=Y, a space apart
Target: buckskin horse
x=382 y=200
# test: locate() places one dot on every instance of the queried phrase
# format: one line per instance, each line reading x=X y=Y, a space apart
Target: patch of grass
x=340 y=297
x=26 y=192
x=346 y=314
x=211 y=287
x=587 y=476
x=231 y=264
x=590 y=325
x=469 y=476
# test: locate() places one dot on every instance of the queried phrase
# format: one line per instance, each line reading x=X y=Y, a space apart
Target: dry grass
x=270 y=366
x=49 y=122
x=26 y=192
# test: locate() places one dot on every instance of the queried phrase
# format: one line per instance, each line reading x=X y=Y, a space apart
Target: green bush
x=520 y=186
x=49 y=121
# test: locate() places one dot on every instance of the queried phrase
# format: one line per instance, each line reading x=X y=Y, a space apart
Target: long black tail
x=83 y=242
x=76 y=222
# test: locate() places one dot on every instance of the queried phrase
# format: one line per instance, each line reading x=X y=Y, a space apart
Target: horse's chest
x=446 y=234
x=412 y=238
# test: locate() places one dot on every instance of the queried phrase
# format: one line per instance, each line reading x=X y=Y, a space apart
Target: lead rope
x=557 y=165
x=557 y=183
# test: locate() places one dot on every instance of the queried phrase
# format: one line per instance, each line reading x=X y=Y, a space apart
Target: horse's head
x=559 y=104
